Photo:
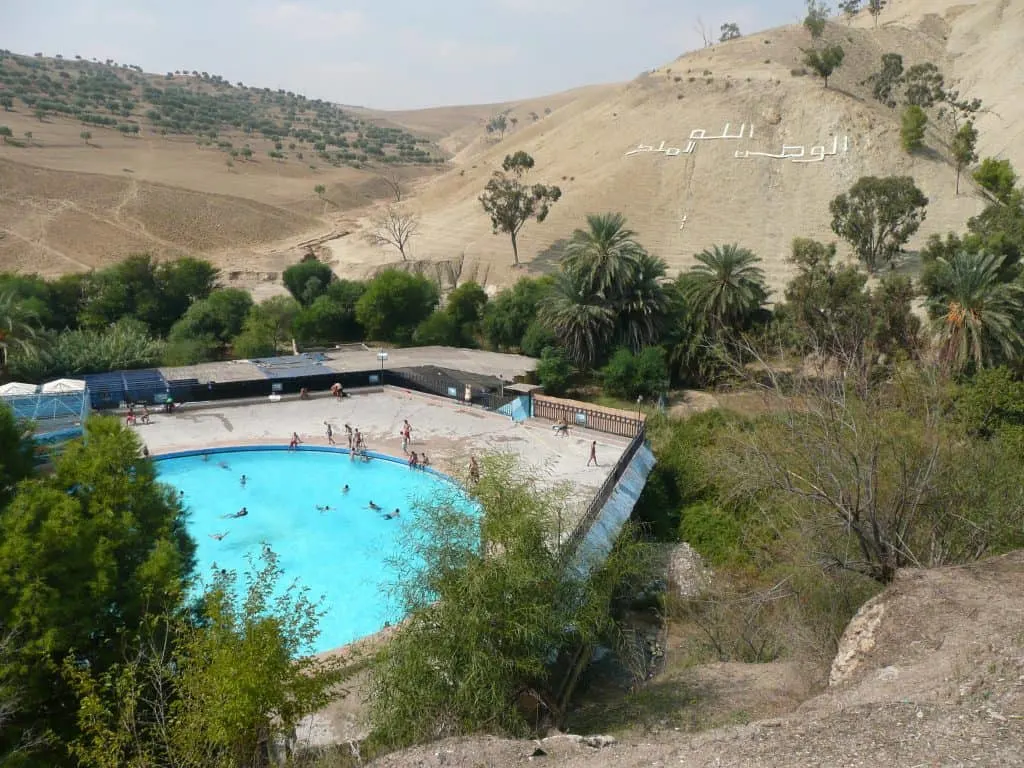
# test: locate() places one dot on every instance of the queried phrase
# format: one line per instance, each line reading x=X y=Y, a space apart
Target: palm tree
x=978 y=316
x=726 y=286
x=603 y=255
x=19 y=328
x=643 y=305
x=582 y=321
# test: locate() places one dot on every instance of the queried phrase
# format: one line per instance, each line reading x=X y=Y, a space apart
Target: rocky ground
x=930 y=673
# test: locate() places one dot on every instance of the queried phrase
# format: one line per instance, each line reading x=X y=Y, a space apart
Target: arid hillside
x=669 y=149
x=692 y=153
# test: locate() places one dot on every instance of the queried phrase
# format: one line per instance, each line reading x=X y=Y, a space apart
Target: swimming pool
x=341 y=553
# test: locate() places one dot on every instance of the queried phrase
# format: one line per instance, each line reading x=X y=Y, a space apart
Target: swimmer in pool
x=392 y=515
x=243 y=480
x=374 y=507
x=345 y=489
x=240 y=513
x=219 y=536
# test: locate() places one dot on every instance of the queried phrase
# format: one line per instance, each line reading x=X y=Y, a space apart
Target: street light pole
x=639 y=399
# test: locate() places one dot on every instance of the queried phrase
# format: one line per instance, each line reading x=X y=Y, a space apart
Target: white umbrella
x=14 y=388
x=64 y=385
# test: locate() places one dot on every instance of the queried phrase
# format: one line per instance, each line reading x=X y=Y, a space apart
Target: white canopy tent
x=63 y=385
x=15 y=388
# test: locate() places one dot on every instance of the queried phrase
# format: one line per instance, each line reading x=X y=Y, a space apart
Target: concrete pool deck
x=447 y=430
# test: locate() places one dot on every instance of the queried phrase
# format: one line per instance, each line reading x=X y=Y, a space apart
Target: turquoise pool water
x=341 y=554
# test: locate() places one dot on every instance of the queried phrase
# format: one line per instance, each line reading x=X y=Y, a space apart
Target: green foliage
x=923 y=85
x=223 y=688
x=897 y=330
x=85 y=554
x=978 y=315
x=912 y=127
x=964 y=149
x=827 y=306
x=729 y=31
x=220 y=317
x=991 y=404
x=875 y=9
x=554 y=371
x=332 y=317
x=16 y=454
x=297 y=279
x=997 y=178
x=394 y=304
x=508 y=316
x=630 y=375
x=726 y=286
x=462 y=659
x=510 y=202
x=5 y=133
x=824 y=61
x=850 y=8
x=537 y=337
x=439 y=329
x=267 y=326
x=885 y=82
x=610 y=292
x=816 y=18
x=155 y=293
x=498 y=124
x=878 y=216
x=124 y=344
x=467 y=304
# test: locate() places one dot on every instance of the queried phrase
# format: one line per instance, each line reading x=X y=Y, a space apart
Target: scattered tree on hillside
x=998 y=179
x=534 y=117
x=28 y=137
x=513 y=121
x=511 y=203
x=817 y=17
x=729 y=31
x=850 y=8
x=875 y=9
x=5 y=134
x=923 y=85
x=824 y=61
x=320 y=190
x=877 y=217
x=884 y=82
x=307 y=280
x=705 y=34
x=7 y=102
x=395 y=228
x=498 y=124
x=964 y=149
x=958 y=109
x=394 y=184
x=912 y=127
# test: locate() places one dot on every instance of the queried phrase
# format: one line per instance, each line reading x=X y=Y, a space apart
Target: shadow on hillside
x=549 y=260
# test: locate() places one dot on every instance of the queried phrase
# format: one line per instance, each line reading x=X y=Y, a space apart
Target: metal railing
x=573 y=541
x=600 y=420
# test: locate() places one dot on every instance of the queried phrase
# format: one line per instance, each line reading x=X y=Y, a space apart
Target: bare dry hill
x=662 y=149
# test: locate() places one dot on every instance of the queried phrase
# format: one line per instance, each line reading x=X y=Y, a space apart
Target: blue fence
x=109 y=390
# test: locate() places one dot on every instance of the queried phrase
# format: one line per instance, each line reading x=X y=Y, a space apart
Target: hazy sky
x=388 y=54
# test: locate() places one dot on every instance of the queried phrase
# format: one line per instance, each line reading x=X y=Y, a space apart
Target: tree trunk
x=515 y=250
x=958 y=179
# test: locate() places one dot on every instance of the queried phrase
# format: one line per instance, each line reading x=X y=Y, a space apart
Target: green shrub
x=439 y=329
x=628 y=375
x=714 y=533
x=554 y=371
x=537 y=337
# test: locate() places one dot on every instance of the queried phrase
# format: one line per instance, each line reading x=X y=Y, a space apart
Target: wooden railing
x=588 y=415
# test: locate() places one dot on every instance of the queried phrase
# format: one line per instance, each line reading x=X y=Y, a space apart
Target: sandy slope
x=761 y=202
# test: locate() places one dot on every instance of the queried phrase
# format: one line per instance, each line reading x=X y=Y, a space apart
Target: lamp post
x=639 y=399
x=382 y=356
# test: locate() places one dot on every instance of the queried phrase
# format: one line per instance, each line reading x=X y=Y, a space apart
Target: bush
x=297 y=280
x=912 y=126
x=554 y=371
x=629 y=376
x=439 y=329
x=394 y=305
x=537 y=337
